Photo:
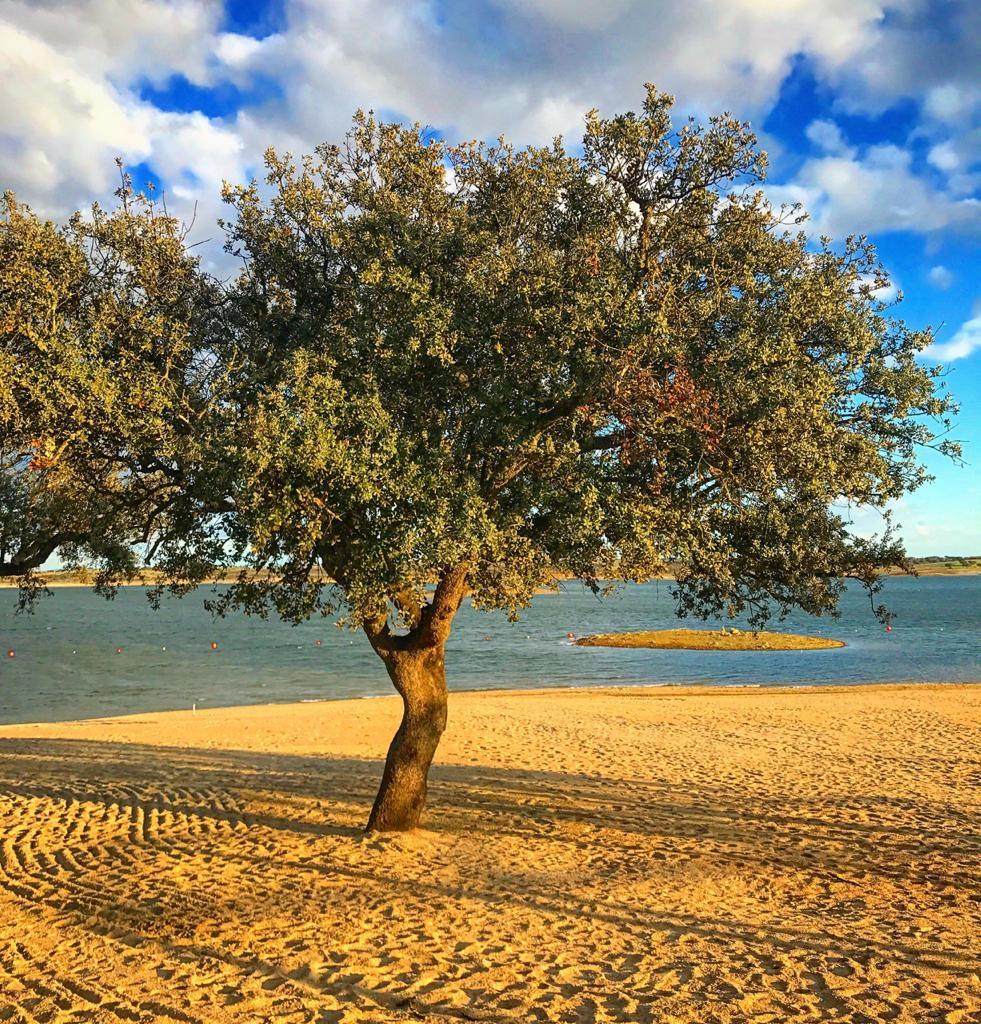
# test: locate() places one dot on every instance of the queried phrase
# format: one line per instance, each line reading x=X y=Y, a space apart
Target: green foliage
x=528 y=363
x=101 y=378
x=499 y=365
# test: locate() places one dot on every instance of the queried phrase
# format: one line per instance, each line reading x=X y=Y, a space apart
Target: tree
x=450 y=371
x=468 y=369
x=102 y=377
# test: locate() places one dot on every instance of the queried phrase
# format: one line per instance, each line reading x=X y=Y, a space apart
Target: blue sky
x=870 y=111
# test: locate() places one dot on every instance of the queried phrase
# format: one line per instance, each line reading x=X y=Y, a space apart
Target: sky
x=870 y=112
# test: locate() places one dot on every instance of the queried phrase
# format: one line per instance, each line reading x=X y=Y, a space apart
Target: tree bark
x=420 y=678
x=415 y=663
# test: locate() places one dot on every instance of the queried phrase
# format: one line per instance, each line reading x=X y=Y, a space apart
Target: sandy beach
x=648 y=855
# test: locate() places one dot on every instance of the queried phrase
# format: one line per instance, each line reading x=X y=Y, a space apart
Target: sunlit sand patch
x=610 y=856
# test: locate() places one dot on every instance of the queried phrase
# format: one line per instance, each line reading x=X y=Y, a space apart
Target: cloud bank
x=81 y=82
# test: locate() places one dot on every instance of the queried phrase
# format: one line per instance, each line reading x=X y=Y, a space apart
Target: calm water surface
x=66 y=665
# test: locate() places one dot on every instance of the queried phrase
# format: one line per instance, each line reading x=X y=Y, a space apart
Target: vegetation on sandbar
x=710 y=640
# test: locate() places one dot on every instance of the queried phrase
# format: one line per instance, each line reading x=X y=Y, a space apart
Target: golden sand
x=711 y=640
x=621 y=855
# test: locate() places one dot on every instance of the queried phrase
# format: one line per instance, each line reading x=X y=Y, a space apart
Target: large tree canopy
x=464 y=369
x=527 y=362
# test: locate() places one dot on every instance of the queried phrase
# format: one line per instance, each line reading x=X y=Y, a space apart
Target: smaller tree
x=103 y=378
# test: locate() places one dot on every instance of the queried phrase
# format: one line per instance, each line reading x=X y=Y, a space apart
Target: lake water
x=66 y=664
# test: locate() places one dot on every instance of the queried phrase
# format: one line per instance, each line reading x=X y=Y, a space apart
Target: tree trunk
x=419 y=675
x=415 y=663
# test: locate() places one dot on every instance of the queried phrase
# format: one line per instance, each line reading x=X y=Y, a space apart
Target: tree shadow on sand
x=75 y=807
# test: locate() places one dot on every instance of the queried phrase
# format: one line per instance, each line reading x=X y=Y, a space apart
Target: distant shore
x=658 y=852
x=58 y=578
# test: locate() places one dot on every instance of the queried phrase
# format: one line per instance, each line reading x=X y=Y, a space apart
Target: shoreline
x=651 y=691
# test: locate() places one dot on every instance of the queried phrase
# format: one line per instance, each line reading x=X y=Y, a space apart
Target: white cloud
x=944 y=157
x=547 y=62
x=60 y=123
x=929 y=54
x=888 y=293
x=151 y=39
x=940 y=277
x=826 y=135
x=236 y=50
x=217 y=150
x=572 y=14
x=951 y=102
x=957 y=157
x=531 y=69
x=877 y=192
x=963 y=343
x=70 y=75
x=69 y=102
x=917 y=51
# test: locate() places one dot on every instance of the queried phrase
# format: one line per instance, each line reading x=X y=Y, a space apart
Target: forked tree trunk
x=415 y=662
x=419 y=676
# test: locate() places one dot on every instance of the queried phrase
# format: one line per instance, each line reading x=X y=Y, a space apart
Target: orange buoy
x=570 y=636
x=119 y=650
x=316 y=643
x=888 y=629
x=214 y=645
x=11 y=653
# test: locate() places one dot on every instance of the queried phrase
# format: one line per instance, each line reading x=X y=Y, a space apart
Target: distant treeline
x=955 y=559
